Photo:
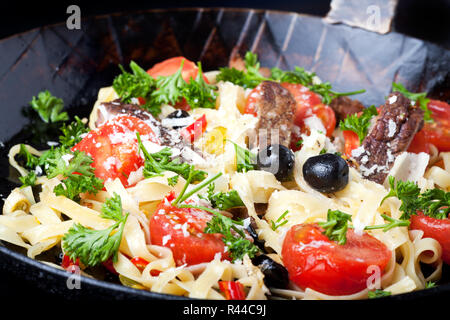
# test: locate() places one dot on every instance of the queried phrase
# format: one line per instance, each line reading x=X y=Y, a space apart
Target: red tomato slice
x=170 y=66
x=438 y=229
x=308 y=104
x=351 y=142
x=181 y=230
x=114 y=148
x=436 y=132
x=313 y=261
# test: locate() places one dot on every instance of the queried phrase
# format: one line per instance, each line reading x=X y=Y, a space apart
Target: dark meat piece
x=344 y=106
x=392 y=134
x=275 y=107
x=167 y=136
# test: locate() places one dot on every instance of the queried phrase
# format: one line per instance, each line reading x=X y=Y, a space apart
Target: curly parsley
x=49 y=107
x=96 y=246
x=434 y=203
x=359 y=124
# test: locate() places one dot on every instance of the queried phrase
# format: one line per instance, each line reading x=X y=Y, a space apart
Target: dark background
x=425 y=19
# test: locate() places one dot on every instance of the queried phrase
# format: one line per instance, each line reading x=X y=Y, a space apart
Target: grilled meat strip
x=275 y=107
x=344 y=106
x=391 y=135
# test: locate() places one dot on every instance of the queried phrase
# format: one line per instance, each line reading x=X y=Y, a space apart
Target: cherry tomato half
x=436 y=132
x=313 y=261
x=181 y=230
x=114 y=148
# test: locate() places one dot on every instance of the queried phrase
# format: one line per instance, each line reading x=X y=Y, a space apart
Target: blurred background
x=425 y=19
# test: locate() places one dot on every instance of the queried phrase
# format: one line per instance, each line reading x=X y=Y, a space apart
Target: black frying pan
x=75 y=64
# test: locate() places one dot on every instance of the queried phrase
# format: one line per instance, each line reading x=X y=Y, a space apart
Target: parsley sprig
x=251 y=77
x=95 y=246
x=198 y=93
x=72 y=133
x=159 y=162
x=434 y=203
x=281 y=221
x=359 y=124
x=165 y=89
x=418 y=98
x=49 y=107
x=223 y=200
x=337 y=224
x=335 y=228
x=233 y=237
x=138 y=84
x=231 y=230
x=78 y=174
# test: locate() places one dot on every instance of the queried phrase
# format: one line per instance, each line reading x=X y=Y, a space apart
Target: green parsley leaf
x=297 y=76
x=71 y=134
x=336 y=225
x=393 y=223
x=378 y=294
x=159 y=162
x=300 y=76
x=31 y=161
x=93 y=247
x=233 y=237
x=49 y=107
x=359 y=125
x=435 y=203
x=420 y=98
x=249 y=78
x=430 y=284
x=78 y=174
x=134 y=85
x=245 y=160
x=223 y=200
x=173 y=180
x=170 y=88
x=28 y=180
x=279 y=223
x=198 y=93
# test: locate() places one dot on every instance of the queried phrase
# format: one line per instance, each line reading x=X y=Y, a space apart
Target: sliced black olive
x=326 y=172
x=275 y=275
x=278 y=160
x=178 y=114
x=252 y=232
